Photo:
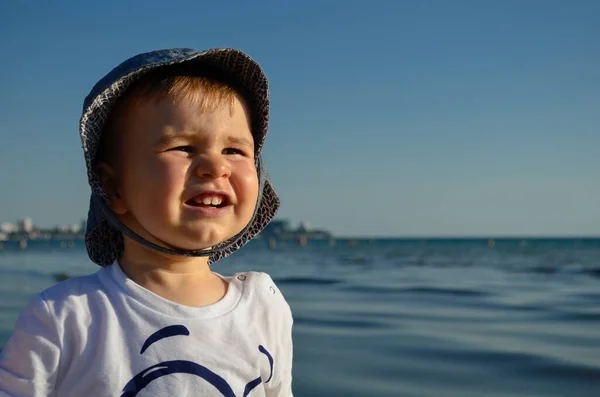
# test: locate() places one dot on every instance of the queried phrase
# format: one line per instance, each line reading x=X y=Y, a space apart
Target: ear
x=110 y=184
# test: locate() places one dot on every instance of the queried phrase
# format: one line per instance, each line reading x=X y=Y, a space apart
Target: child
x=172 y=143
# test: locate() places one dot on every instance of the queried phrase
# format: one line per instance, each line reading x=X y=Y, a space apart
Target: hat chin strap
x=115 y=222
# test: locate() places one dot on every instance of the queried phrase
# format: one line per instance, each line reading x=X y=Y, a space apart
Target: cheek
x=153 y=181
x=248 y=186
x=169 y=176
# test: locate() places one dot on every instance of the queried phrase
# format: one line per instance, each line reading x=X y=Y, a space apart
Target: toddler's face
x=187 y=179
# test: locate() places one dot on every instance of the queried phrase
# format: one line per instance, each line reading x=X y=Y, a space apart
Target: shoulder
x=75 y=289
x=73 y=286
x=271 y=317
x=44 y=334
x=46 y=306
x=262 y=285
x=41 y=326
x=76 y=297
x=258 y=281
x=264 y=294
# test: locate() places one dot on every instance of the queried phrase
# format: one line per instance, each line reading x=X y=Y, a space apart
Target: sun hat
x=104 y=231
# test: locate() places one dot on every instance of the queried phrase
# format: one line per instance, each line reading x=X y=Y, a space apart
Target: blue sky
x=399 y=118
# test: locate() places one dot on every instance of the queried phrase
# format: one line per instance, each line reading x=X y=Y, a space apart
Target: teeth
x=212 y=200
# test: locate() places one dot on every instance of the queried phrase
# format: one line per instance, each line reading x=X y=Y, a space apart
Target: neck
x=185 y=280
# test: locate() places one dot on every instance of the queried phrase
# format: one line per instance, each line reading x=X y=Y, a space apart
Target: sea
x=404 y=317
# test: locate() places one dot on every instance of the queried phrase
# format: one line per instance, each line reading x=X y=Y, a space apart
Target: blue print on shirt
x=142 y=379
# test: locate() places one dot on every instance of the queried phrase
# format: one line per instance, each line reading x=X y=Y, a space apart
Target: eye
x=186 y=149
x=231 y=150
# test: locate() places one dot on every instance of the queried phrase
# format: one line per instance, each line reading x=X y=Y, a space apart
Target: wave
x=575 y=316
x=305 y=281
x=340 y=323
x=593 y=272
x=418 y=290
x=520 y=363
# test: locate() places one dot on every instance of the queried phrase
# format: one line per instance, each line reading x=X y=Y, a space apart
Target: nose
x=212 y=166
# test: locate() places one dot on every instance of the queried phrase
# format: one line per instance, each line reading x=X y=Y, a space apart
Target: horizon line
x=471 y=237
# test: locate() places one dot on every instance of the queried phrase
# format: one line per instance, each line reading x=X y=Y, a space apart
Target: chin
x=197 y=236
x=204 y=240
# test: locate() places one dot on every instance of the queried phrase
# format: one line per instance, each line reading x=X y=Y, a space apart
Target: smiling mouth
x=208 y=201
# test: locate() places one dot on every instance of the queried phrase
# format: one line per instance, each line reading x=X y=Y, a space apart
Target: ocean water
x=406 y=317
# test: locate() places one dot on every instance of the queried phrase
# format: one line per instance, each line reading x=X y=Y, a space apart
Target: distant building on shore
x=24 y=229
x=6 y=227
x=25 y=225
x=281 y=229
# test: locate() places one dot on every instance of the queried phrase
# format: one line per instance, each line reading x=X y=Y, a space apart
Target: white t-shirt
x=104 y=335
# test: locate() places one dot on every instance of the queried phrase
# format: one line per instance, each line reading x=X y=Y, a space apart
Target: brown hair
x=209 y=92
